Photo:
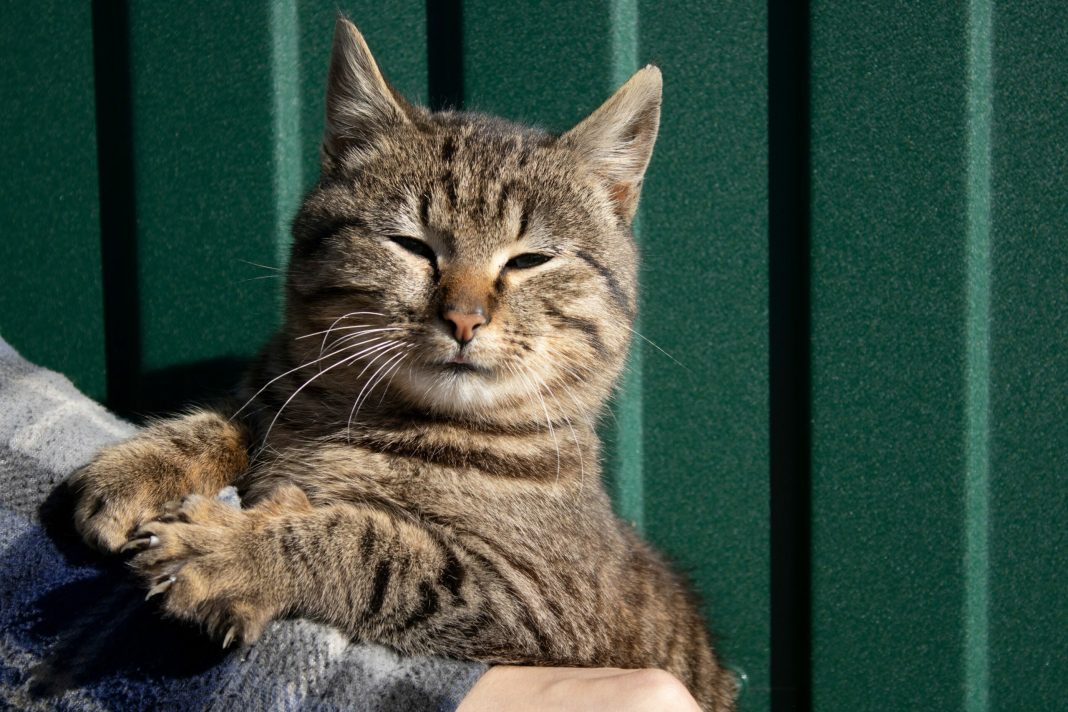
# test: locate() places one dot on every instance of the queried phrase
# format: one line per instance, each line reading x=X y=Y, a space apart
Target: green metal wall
x=939 y=354
x=855 y=249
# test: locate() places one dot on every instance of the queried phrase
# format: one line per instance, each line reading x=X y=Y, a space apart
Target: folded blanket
x=76 y=633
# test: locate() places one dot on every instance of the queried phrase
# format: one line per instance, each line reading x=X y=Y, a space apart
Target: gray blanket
x=76 y=633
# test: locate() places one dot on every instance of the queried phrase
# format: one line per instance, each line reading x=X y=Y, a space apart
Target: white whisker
x=358 y=334
x=346 y=359
x=257 y=264
x=548 y=422
x=359 y=397
x=657 y=347
x=570 y=425
x=292 y=370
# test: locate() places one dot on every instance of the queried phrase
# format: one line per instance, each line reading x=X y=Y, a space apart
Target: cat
x=417 y=446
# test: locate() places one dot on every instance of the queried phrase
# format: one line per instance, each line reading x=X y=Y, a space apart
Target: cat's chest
x=465 y=496
x=333 y=474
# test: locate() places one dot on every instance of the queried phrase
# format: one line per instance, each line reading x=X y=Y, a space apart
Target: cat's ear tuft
x=617 y=139
x=359 y=101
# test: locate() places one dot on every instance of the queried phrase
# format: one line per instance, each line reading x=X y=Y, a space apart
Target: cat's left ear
x=360 y=103
x=617 y=139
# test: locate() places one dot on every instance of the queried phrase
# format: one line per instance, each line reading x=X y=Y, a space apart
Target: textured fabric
x=76 y=633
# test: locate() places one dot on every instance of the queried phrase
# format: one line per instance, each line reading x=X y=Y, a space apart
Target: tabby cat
x=417 y=452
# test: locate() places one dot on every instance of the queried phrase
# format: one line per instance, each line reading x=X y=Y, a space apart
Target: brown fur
x=437 y=507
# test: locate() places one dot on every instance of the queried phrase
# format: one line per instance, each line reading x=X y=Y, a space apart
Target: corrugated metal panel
x=889 y=88
x=704 y=234
x=1027 y=667
x=51 y=299
x=929 y=196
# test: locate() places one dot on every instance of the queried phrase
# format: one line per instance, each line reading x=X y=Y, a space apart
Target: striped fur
x=434 y=496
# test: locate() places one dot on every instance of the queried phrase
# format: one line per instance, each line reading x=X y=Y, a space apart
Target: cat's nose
x=463 y=322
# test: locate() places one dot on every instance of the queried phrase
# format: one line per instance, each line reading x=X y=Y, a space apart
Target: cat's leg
x=377 y=576
x=127 y=484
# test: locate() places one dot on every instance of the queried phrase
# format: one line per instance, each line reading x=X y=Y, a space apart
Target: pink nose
x=464 y=323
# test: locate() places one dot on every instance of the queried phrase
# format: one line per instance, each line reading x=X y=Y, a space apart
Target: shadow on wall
x=166 y=391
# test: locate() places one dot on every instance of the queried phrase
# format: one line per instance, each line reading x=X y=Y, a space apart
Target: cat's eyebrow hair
x=524 y=219
x=610 y=279
x=424 y=209
x=502 y=207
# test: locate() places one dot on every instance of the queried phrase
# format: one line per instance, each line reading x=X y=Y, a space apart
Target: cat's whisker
x=261 y=266
x=281 y=376
x=350 y=358
x=359 y=397
x=344 y=329
x=389 y=383
x=358 y=334
x=334 y=328
x=570 y=425
x=326 y=331
x=387 y=368
x=370 y=340
x=335 y=323
x=344 y=360
x=548 y=420
x=657 y=347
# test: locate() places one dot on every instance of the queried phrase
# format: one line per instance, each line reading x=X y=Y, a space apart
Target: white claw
x=142 y=543
x=161 y=587
x=229 y=638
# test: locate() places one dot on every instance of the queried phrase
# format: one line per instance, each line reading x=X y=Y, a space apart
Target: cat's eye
x=416 y=247
x=527 y=260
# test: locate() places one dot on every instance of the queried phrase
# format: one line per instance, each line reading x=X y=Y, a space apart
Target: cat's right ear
x=360 y=103
x=617 y=139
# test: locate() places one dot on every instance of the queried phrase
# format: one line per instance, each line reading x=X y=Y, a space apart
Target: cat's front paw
x=112 y=500
x=202 y=558
x=127 y=484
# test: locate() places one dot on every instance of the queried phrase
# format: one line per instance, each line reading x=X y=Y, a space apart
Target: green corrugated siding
x=1028 y=440
x=931 y=488
x=889 y=235
x=705 y=301
x=51 y=298
x=203 y=191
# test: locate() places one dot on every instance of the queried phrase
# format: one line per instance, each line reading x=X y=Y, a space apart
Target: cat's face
x=465 y=263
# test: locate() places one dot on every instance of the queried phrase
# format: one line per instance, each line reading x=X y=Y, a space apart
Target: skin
x=416 y=448
x=523 y=689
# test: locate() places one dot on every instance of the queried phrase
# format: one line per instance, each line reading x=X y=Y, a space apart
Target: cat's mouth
x=460 y=363
x=461 y=367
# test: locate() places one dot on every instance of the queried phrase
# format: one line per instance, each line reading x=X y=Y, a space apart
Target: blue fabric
x=76 y=632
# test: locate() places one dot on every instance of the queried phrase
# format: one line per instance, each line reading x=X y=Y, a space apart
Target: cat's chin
x=453 y=388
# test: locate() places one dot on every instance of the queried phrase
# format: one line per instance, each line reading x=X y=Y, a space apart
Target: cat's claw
x=229 y=638
x=161 y=587
x=141 y=543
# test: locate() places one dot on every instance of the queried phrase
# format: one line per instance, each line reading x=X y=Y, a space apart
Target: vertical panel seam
x=117 y=193
x=977 y=376
x=285 y=116
x=445 y=54
x=628 y=481
x=789 y=357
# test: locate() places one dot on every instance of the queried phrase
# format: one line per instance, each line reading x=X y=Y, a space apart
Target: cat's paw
x=111 y=501
x=127 y=484
x=201 y=558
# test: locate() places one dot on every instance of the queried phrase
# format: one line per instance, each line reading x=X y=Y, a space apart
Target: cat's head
x=471 y=266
